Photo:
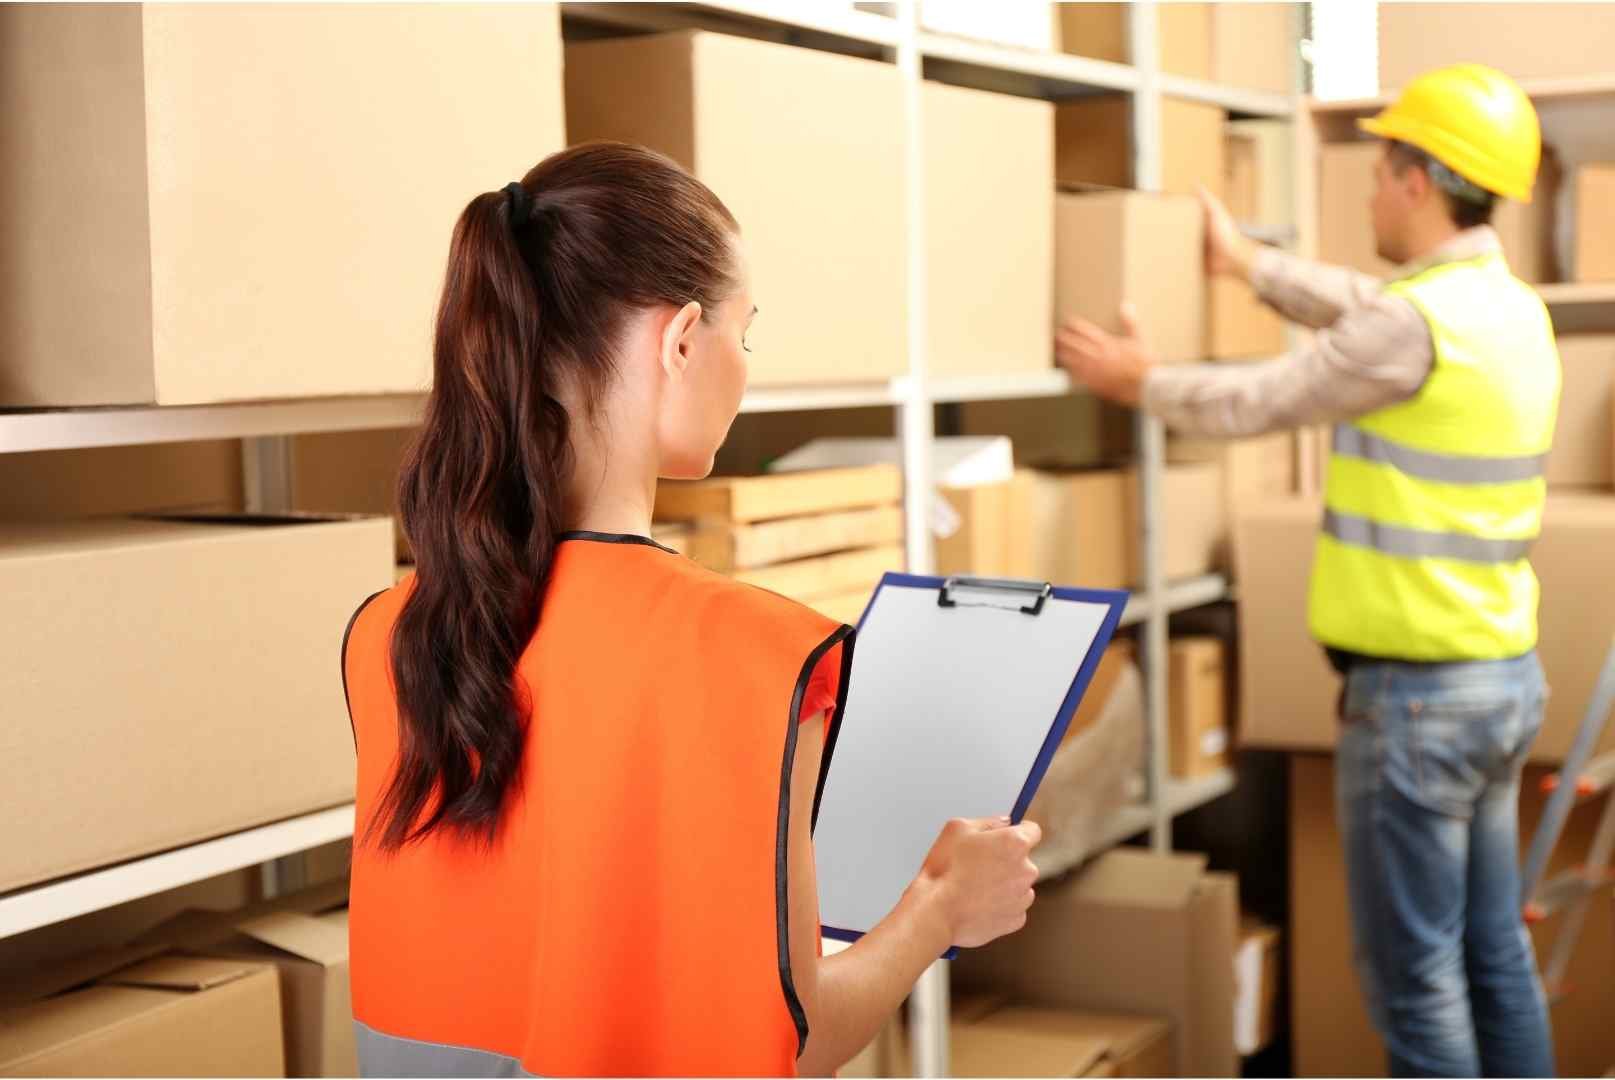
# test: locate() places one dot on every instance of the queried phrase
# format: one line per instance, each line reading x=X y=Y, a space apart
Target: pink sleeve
x=824 y=686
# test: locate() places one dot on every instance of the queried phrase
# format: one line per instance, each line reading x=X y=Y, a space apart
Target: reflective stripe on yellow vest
x=1432 y=504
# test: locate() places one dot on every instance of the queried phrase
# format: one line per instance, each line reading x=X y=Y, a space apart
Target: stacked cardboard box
x=1253 y=46
x=1581 y=455
x=1346 y=236
x=753 y=119
x=991 y=1036
x=1254 y=470
x=252 y=610
x=823 y=538
x=1094 y=143
x=1330 y=1029
x=1197 y=721
x=158 y=242
x=1238 y=325
x=1133 y=932
x=136 y=1014
x=1594 y=256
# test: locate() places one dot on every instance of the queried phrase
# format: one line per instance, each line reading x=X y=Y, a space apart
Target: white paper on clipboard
x=951 y=712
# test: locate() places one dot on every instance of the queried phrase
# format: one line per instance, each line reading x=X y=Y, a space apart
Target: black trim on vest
x=848 y=643
x=614 y=538
x=344 y=659
x=782 y=918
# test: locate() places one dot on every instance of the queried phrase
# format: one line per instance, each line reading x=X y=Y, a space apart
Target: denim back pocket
x=1444 y=747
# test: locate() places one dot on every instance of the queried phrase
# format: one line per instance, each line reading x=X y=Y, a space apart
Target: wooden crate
x=746 y=499
x=726 y=547
x=808 y=580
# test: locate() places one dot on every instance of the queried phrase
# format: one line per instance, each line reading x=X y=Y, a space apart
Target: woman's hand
x=979 y=875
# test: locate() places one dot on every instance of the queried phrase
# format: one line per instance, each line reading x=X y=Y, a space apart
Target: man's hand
x=1228 y=251
x=1112 y=366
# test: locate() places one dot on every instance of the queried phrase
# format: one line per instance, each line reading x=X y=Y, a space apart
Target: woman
x=584 y=806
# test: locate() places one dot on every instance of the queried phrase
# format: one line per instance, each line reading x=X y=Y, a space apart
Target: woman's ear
x=677 y=337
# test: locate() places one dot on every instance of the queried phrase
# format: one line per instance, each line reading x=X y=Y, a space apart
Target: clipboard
x=960 y=692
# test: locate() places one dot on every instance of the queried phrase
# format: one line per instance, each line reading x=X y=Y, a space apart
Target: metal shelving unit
x=266 y=426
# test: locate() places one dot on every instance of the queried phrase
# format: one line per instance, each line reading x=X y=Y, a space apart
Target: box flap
x=62 y=975
x=172 y=972
x=1007 y=1044
x=1142 y=879
x=308 y=936
x=200 y=928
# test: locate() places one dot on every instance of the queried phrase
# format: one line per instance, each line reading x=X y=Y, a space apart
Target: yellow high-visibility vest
x=1431 y=505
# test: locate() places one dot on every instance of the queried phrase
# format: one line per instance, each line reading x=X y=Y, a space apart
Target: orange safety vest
x=630 y=918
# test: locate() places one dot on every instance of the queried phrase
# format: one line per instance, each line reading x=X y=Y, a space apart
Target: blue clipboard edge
x=1115 y=601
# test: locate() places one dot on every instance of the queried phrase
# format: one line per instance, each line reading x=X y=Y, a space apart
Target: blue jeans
x=1427 y=784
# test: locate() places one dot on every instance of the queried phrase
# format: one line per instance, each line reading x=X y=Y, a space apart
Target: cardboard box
x=1256 y=974
x=1134 y=932
x=1258 y=469
x=1329 y=1026
x=1146 y=250
x=994 y=533
x=1197 y=720
x=1525 y=40
x=1100 y=31
x=222 y=638
x=159 y=237
x=1265 y=148
x=1345 y=229
x=311 y=953
x=1094 y=143
x=753 y=119
x=168 y=1016
x=1194 y=521
x=989 y=237
x=780 y=495
x=1255 y=46
x=1594 y=258
x=351 y=472
x=1581 y=455
x=122 y=480
x=1016 y=1040
x=1238 y=324
x=827 y=575
x=1290 y=692
x=725 y=547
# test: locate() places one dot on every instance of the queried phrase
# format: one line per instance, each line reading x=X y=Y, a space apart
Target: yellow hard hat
x=1473 y=119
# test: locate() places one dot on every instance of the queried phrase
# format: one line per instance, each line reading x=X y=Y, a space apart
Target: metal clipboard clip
x=1042 y=590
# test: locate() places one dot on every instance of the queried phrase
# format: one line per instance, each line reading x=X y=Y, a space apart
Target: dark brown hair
x=1465 y=212
x=539 y=284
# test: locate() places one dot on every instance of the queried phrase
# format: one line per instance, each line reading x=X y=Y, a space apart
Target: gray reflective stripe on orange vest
x=1354 y=442
x=1420 y=543
x=393 y=1055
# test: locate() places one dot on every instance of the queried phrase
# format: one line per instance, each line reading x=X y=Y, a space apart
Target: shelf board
x=1574 y=293
x=1541 y=91
x=1030 y=384
x=1181 y=595
x=57 y=901
x=1580 y=307
x=1028 y=73
x=1233 y=98
x=805 y=398
x=72 y=429
x=1130 y=821
x=800 y=22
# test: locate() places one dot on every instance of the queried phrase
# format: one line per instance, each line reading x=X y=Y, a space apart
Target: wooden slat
x=763 y=498
x=829 y=575
x=726 y=547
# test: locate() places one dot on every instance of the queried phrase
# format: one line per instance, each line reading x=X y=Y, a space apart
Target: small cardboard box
x=1133 y=932
x=1581 y=454
x=1346 y=233
x=1100 y=31
x=753 y=119
x=1079 y=528
x=1256 y=974
x=994 y=534
x=168 y=1016
x=1265 y=147
x=1257 y=469
x=1239 y=326
x=989 y=237
x=173 y=232
x=1194 y=520
x=1197 y=720
x=1094 y=144
x=1116 y=246
x=218 y=635
x=1594 y=258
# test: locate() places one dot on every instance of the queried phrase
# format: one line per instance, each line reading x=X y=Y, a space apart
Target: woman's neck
x=613 y=487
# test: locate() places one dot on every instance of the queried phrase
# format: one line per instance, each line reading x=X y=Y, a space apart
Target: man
x=1443 y=385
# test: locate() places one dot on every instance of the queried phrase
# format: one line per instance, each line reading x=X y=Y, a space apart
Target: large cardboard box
x=1581 y=455
x=168 y=1016
x=1117 y=246
x=1594 y=258
x=122 y=480
x=1345 y=229
x=994 y=536
x=1134 y=932
x=1329 y=1026
x=1194 y=521
x=1256 y=46
x=1257 y=469
x=1197 y=722
x=1290 y=692
x=989 y=237
x=1094 y=143
x=204 y=203
x=754 y=119
x=1017 y=1040
x=1100 y=31
x=1527 y=40
x=221 y=638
